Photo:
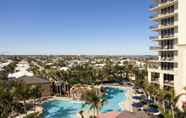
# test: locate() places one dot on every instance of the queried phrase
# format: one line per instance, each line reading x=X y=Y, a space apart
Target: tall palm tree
x=93 y=100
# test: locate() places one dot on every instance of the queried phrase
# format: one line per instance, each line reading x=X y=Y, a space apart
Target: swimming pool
x=69 y=109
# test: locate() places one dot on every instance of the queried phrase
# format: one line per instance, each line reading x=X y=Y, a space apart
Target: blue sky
x=74 y=26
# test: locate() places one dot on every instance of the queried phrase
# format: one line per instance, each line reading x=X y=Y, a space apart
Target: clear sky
x=74 y=26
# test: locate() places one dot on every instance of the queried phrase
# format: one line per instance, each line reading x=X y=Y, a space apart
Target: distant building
x=2 y=65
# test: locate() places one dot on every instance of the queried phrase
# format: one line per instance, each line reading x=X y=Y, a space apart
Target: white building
x=169 y=71
x=21 y=70
x=2 y=65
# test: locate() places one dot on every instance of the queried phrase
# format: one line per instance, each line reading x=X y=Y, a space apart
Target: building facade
x=169 y=71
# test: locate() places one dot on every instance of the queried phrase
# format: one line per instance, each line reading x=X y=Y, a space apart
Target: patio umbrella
x=108 y=115
x=149 y=101
x=152 y=110
x=127 y=114
x=137 y=97
x=137 y=105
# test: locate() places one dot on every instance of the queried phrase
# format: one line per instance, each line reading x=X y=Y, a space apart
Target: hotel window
x=167 y=21
x=167 y=32
x=167 y=10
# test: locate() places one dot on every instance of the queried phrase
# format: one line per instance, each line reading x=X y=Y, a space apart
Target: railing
x=168 y=36
x=154 y=48
x=167 y=58
x=153 y=16
x=168 y=47
x=155 y=80
x=153 y=6
x=153 y=37
x=167 y=68
x=162 y=37
x=167 y=1
x=169 y=82
x=161 y=4
x=154 y=26
x=154 y=66
x=167 y=14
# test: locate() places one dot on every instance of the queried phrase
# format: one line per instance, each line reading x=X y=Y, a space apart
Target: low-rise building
x=45 y=86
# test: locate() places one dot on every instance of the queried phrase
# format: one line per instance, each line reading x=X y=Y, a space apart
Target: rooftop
x=32 y=80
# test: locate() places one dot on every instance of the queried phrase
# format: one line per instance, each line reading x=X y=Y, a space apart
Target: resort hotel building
x=169 y=71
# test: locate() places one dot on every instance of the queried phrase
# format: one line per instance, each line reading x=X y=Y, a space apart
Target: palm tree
x=22 y=92
x=161 y=97
x=128 y=69
x=81 y=113
x=5 y=100
x=8 y=101
x=119 y=72
x=35 y=92
x=93 y=100
x=170 y=96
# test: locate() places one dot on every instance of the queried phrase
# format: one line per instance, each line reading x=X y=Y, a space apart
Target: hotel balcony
x=158 y=17
x=163 y=48
x=169 y=83
x=166 y=37
x=154 y=38
x=161 y=27
x=161 y=5
x=155 y=48
x=162 y=59
x=159 y=70
x=154 y=65
x=155 y=81
x=168 y=80
x=168 y=59
x=169 y=68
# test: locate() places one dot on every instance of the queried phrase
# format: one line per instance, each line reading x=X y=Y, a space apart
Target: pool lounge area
x=69 y=108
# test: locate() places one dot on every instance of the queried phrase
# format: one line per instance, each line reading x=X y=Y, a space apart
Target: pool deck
x=127 y=104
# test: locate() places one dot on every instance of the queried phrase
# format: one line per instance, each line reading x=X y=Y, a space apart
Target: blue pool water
x=69 y=109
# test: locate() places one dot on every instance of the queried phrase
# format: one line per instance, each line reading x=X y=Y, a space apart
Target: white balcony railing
x=158 y=27
x=169 y=36
x=169 y=82
x=157 y=5
x=165 y=15
x=163 y=48
x=155 y=48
